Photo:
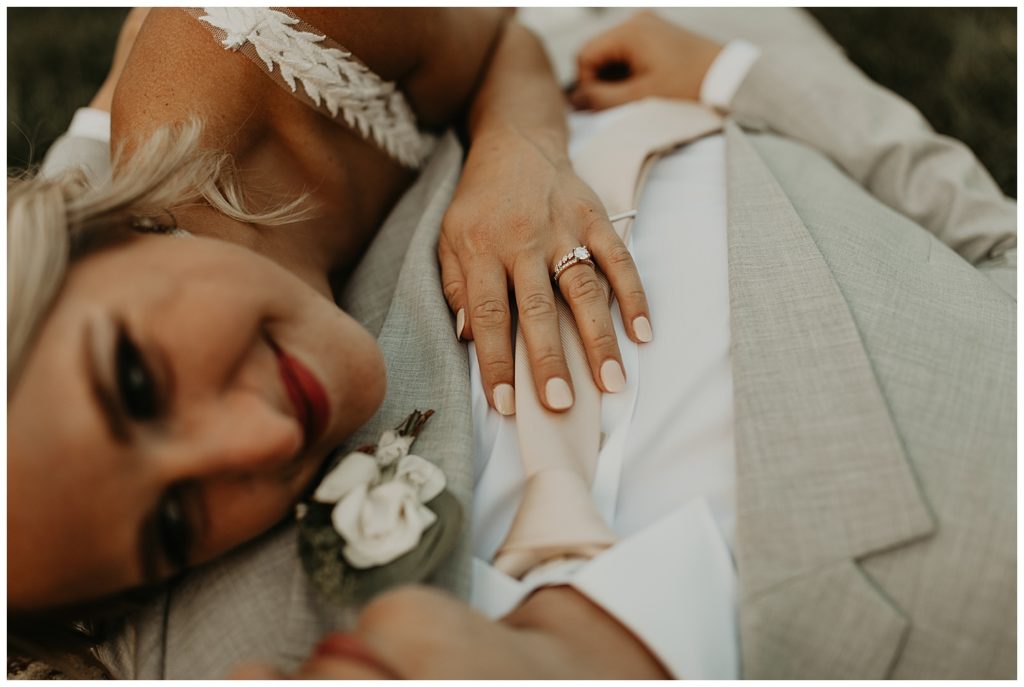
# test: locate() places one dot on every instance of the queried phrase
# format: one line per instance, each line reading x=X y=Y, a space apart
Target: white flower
x=425 y=477
x=240 y=24
x=354 y=470
x=392 y=446
x=380 y=524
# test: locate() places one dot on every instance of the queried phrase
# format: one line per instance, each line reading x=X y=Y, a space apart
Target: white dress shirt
x=665 y=480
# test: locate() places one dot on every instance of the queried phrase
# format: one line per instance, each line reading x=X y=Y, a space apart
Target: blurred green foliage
x=957 y=65
x=57 y=57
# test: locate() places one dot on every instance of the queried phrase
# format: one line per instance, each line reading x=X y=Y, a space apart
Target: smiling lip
x=306 y=394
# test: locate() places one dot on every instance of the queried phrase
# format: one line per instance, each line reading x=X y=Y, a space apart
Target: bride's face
x=180 y=396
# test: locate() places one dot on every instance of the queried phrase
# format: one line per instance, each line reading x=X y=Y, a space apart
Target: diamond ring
x=579 y=254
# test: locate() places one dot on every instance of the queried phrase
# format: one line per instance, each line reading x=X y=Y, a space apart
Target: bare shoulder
x=435 y=54
x=177 y=70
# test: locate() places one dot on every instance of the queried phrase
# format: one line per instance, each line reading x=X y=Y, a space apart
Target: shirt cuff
x=89 y=122
x=727 y=72
x=673 y=585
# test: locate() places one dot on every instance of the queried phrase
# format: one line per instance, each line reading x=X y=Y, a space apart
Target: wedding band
x=578 y=255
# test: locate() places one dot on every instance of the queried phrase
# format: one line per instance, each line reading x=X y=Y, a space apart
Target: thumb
x=600 y=95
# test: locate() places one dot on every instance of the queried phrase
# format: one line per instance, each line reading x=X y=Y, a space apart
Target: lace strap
x=334 y=81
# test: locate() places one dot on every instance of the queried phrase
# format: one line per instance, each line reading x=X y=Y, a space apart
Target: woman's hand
x=420 y=633
x=517 y=210
x=642 y=57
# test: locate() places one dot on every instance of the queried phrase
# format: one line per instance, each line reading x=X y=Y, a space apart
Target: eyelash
x=135 y=386
x=174 y=532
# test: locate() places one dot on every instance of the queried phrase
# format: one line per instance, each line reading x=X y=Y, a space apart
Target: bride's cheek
x=374 y=371
x=365 y=381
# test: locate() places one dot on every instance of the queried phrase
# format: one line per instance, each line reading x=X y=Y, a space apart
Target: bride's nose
x=237 y=433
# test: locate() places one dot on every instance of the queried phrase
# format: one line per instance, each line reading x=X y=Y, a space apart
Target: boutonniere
x=382 y=517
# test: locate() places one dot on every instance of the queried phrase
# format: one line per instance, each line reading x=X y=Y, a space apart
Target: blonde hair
x=51 y=221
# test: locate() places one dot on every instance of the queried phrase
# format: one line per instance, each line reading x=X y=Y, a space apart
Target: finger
x=616 y=262
x=454 y=286
x=256 y=671
x=461 y=643
x=601 y=95
x=588 y=299
x=344 y=655
x=538 y=319
x=329 y=668
x=487 y=314
x=610 y=46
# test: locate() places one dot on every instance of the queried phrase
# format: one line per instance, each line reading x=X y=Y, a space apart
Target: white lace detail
x=332 y=78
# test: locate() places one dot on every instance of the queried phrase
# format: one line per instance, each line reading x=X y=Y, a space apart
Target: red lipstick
x=306 y=394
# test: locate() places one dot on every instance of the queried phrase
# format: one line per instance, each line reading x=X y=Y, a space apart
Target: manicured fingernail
x=460 y=323
x=642 y=329
x=558 y=393
x=504 y=399
x=611 y=376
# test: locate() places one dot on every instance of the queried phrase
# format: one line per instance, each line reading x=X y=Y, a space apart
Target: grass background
x=57 y=57
x=957 y=65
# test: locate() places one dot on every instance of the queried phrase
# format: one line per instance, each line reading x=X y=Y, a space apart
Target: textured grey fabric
x=884 y=144
x=875 y=386
x=874 y=358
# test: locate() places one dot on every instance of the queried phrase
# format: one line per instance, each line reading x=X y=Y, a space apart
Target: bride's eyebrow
x=102 y=392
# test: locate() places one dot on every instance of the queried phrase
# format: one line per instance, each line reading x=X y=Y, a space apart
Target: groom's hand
x=421 y=633
x=642 y=57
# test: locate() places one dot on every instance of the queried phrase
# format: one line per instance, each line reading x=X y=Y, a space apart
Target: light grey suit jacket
x=872 y=278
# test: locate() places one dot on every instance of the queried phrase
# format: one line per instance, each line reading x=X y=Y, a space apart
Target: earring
x=150 y=225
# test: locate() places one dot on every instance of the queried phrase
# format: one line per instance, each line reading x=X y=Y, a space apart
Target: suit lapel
x=397 y=295
x=822 y=477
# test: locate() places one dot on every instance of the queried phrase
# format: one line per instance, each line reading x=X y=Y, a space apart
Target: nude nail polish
x=504 y=399
x=611 y=376
x=642 y=329
x=558 y=393
x=460 y=323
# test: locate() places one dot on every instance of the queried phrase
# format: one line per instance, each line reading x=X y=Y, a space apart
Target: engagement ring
x=579 y=254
